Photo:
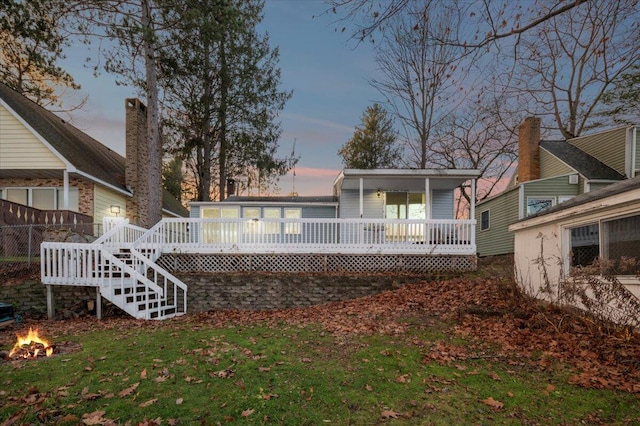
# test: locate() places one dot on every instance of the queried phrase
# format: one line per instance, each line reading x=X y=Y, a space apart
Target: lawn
x=450 y=352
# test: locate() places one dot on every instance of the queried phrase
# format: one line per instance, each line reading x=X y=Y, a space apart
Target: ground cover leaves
x=487 y=312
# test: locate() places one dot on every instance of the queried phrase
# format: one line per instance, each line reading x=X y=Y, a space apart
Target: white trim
x=103 y=183
x=521 y=207
x=264 y=203
x=427 y=200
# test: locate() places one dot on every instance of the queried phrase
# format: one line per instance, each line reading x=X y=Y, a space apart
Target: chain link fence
x=20 y=244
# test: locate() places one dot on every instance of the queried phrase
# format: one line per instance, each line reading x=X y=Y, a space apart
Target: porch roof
x=403 y=179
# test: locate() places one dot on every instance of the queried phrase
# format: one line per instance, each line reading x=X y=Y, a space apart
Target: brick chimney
x=528 y=150
x=135 y=169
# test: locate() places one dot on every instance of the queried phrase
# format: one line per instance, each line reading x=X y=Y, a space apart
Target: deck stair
x=126 y=274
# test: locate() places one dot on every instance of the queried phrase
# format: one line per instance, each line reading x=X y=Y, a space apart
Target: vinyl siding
x=17 y=144
x=550 y=166
x=103 y=200
x=636 y=135
x=608 y=147
x=442 y=204
x=503 y=211
x=554 y=187
x=350 y=205
x=595 y=186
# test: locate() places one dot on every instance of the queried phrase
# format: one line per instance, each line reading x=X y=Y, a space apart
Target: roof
x=583 y=163
x=285 y=199
x=587 y=197
x=274 y=200
x=403 y=179
x=84 y=153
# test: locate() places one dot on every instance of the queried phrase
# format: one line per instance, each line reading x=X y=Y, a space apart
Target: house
x=551 y=172
x=386 y=220
x=552 y=246
x=52 y=170
x=380 y=211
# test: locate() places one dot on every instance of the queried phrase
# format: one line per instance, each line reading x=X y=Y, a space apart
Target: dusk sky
x=328 y=73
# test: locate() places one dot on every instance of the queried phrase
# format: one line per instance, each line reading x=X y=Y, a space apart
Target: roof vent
x=573 y=179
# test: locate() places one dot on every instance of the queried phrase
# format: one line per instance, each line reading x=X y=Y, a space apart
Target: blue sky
x=328 y=73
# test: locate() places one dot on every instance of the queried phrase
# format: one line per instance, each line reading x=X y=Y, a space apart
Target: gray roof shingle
x=583 y=163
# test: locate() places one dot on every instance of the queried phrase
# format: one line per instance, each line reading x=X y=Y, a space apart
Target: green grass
x=193 y=373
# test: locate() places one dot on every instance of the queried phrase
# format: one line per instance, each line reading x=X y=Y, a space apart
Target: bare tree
x=419 y=77
x=478 y=137
x=566 y=64
x=491 y=21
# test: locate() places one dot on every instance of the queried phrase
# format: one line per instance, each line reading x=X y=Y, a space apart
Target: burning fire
x=31 y=345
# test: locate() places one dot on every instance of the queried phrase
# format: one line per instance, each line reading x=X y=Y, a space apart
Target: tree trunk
x=151 y=202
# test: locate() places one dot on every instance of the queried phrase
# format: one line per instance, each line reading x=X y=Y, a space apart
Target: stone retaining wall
x=29 y=298
x=273 y=291
x=254 y=291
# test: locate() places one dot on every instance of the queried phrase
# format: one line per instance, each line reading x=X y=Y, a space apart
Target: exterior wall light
x=115 y=209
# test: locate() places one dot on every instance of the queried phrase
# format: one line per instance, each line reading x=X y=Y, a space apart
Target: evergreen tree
x=373 y=145
x=31 y=44
x=221 y=87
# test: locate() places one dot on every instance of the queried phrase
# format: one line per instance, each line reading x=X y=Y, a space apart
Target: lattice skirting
x=188 y=263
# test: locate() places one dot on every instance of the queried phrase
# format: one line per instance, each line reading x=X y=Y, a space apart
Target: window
x=585 y=245
x=292 y=228
x=536 y=204
x=42 y=198
x=616 y=240
x=271 y=213
x=621 y=241
x=220 y=232
x=484 y=220
x=74 y=199
x=252 y=224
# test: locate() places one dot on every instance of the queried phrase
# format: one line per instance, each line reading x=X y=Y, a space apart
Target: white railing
x=312 y=236
x=70 y=263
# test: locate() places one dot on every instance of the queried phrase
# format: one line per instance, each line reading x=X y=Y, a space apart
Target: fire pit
x=31 y=345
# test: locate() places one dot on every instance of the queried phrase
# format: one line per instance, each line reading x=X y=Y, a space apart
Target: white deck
x=315 y=236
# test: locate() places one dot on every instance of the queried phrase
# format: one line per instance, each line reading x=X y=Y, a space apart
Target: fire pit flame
x=31 y=345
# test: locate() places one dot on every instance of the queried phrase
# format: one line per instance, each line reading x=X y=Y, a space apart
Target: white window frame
x=487 y=211
x=528 y=213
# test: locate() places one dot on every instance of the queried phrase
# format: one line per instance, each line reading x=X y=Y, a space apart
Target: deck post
x=50 y=302
x=98 y=303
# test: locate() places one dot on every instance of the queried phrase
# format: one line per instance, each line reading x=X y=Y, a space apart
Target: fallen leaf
x=263 y=369
x=247 y=413
x=143 y=374
x=129 y=390
x=148 y=403
x=494 y=376
x=497 y=405
x=95 y=418
x=369 y=388
x=550 y=388
x=179 y=401
x=390 y=414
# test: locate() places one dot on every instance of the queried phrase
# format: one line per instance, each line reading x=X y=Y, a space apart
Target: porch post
x=427 y=199
x=65 y=190
x=472 y=197
x=50 y=307
x=98 y=303
x=361 y=198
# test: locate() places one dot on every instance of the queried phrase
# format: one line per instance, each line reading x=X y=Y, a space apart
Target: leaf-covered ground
x=488 y=312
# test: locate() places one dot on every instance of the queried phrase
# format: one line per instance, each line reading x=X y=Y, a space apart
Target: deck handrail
x=202 y=235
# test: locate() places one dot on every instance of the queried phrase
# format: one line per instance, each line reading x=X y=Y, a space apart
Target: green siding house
x=550 y=173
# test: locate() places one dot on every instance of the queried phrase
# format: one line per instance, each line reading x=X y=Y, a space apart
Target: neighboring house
x=48 y=164
x=602 y=224
x=550 y=173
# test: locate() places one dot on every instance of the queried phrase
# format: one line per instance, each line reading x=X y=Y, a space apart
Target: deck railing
x=315 y=236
